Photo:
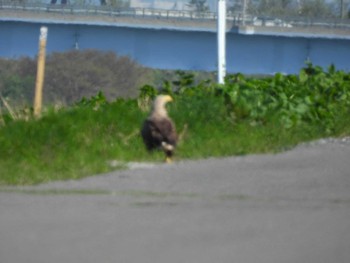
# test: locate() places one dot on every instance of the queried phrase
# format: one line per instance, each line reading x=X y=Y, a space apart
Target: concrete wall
x=180 y=49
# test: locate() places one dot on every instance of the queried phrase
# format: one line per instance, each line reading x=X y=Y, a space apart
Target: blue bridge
x=166 y=40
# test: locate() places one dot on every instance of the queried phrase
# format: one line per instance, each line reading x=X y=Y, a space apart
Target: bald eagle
x=158 y=130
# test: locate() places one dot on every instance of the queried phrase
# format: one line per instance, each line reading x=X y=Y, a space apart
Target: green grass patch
x=244 y=116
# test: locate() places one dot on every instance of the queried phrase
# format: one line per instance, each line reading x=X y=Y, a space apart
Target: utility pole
x=221 y=40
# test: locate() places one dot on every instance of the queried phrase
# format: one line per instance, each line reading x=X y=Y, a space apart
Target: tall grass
x=95 y=136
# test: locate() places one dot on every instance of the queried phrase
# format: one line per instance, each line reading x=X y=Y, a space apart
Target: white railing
x=235 y=19
x=104 y=10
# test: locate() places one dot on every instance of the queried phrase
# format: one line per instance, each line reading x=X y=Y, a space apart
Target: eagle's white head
x=159 y=110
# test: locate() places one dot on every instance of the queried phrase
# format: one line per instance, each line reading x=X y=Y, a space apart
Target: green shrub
x=72 y=75
x=315 y=96
x=245 y=115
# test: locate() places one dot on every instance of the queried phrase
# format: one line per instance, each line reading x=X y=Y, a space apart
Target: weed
x=243 y=116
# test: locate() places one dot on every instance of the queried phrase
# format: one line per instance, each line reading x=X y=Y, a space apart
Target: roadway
x=288 y=207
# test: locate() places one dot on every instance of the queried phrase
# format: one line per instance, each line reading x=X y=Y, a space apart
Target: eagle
x=158 y=131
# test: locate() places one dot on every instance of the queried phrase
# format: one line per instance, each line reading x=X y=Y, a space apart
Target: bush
x=245 y=115
x=72 y=75
x=314 y=96
x=17 y=80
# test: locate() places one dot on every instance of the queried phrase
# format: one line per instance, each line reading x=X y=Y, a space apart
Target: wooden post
x=40 y=72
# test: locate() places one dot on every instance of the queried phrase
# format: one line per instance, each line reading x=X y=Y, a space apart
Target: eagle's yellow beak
x=168 y=98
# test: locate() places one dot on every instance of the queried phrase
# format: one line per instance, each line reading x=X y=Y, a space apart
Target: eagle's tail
x=167 y=146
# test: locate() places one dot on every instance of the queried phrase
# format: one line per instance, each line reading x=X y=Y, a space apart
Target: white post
x=221 y=35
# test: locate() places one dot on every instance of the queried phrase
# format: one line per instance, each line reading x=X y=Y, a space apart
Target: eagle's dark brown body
x=158 y=130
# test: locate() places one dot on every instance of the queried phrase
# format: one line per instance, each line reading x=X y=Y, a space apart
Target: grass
x=79 y=141
x=246 y=116
x=67 y=144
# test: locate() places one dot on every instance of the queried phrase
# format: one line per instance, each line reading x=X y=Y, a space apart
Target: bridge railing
x=103 y=10
x=110 y=11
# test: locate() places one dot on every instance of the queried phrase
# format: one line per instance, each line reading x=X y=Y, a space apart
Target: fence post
x=40 y=72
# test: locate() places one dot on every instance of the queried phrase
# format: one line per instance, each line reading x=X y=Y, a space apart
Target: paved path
x=292 y=207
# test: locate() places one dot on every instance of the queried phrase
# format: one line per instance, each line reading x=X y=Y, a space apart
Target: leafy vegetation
x=314 y=97
x=245 y=115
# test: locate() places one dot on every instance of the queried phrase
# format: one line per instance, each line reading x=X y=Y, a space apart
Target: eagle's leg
x=169 y=151
x=168 y=156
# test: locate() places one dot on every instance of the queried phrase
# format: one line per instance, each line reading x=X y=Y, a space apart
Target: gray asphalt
x=286 y=208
